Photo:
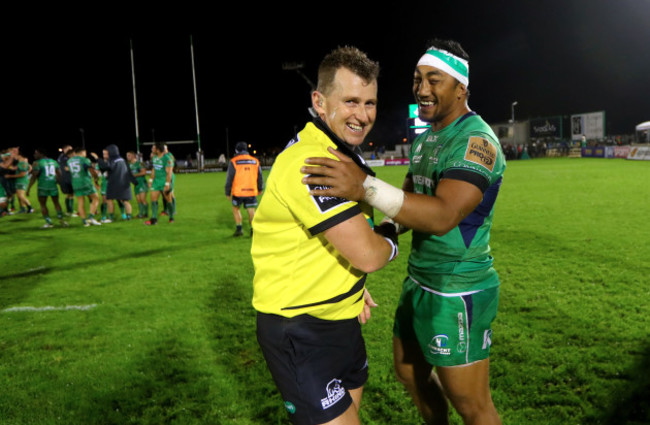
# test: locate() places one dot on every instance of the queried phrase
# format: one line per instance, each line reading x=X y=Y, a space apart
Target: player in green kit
x=101 y=182
x=82 y=173
x=22 y=180
x=48 y=174
x=442 y=332
x=169 y=200
x=161 y=181
x=140 y=188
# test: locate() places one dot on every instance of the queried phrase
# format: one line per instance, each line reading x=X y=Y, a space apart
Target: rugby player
x=442 y=332
x=47 y=172
x=82 y=174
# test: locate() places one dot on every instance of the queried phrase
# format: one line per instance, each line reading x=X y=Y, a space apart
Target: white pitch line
x=49 y=308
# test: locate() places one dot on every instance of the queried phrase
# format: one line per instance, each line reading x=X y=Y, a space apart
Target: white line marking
x=49 y=308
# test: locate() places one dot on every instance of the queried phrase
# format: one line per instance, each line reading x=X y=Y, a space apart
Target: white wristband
x=395 y=251
x=386 y=198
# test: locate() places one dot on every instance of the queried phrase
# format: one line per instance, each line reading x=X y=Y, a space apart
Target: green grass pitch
x=153 y=325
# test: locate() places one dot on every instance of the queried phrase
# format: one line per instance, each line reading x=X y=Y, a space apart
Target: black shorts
x=314 y=363
x=246 y=201
x=66 y=187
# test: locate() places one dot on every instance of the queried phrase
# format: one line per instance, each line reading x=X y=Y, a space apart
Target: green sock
x=154 y=209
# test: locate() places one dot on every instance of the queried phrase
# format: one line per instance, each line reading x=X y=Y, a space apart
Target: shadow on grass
x=248 y=391
x=44 y=270
x=17 y=289
x=632 y=405
x=166 y=387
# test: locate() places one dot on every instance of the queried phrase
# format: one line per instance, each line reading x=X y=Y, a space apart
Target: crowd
x=105 y=181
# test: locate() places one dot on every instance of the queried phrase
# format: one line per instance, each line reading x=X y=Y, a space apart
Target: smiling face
x=440 y=97
x=349 y=108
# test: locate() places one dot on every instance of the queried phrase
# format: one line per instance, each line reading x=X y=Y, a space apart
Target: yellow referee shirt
x=297 y=271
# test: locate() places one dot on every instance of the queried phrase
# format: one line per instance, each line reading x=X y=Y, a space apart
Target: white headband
x=447 y=62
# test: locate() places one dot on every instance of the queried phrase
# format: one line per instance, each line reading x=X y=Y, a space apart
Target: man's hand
x=342 y=178
x=364 y=316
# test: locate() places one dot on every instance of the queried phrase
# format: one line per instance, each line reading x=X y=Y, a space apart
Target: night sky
x=67 y=70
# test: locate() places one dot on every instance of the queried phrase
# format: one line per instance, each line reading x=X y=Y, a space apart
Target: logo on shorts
x=438 y=345
x=487 y=338
x=335 y=392
x=290 y=407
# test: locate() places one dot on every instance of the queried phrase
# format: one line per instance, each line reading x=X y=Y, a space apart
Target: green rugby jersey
x=159 y=166
x=46 y=167
x=23 y=166
x=460 y=260
x=79 y=172
x=135 y=169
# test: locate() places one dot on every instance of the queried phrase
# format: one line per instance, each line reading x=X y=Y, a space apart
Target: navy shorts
x=314 y=363
x=247 y=202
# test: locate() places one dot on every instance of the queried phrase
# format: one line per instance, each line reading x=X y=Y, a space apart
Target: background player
x=161 y=179
x=140 y=187
x=82 y=174
x=48 y=174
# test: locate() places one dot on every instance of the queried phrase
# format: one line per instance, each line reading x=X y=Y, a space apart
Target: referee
x=311 y=255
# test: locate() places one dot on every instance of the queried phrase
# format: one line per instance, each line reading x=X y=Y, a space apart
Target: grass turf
x=168 y=334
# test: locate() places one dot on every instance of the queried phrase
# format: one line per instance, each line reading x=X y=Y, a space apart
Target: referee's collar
x=342 y=146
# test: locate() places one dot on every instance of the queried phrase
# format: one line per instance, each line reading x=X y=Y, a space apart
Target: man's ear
x=317 y=100
x=461 y=90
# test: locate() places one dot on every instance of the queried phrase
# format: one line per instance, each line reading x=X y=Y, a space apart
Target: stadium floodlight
x=513 y=120
x=298 y=66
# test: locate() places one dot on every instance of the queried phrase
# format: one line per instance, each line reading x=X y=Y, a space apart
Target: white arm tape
x=386 y=198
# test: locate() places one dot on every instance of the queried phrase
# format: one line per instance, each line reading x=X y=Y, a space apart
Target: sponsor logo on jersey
x=325 y=203
x=424 y=181
x=480 y=151
x=246 y=161
x=438 y=345
x=335 y=392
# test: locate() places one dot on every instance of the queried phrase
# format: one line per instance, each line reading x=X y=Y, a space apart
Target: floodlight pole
x=298 y=66
x=135 y=103
x=513 y=120
x=196 y=104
